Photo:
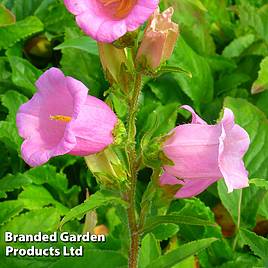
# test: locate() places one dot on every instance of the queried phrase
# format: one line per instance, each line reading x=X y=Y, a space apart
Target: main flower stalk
x=131 y=151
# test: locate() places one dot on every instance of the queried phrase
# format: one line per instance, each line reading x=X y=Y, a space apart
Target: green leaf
x=84 y=43
x=9 y=135
x=24 y=9
x=55 y=16
x=36 y=197
x=244 y=203
x=8 y=131
x=12 y=100
x=6 y=16
x=40 y=220
x=150 y=250
x=165 y=231
x=82 y=65
x=255 y=123
x=256 y=18
x=11 y=182
x=258 y=244
x=94 y=259
x=9 y=209
x=183 y=252
x=261 y=83
x=100 y=198
x=22 y=29
x=160 y=121
x=152 y=222
x=200 y=87
x=238 y=46
x=58 y=182
x=24 y=74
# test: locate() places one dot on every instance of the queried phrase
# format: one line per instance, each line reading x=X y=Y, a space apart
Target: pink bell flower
x=202 y=154
x=159 y=39
x=108 y=20
x=61 y=118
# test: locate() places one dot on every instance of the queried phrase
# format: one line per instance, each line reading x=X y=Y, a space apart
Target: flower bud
x=112 y=59
x=159 y=40
x=107 y=168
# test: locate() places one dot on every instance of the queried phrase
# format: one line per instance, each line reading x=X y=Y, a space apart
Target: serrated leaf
x=44 y=220
x=24 y=74
x=200 y=87
x=238 y=46
x=84 y=43
x=20 y=30
x=261 y=83
x=36 y=197
x=258 y=244
x=165 y=231
x=9 y=209
x=183 y=252
x=100 y=198
x=150 y=250
x=8 y=131
x=11 y=182
x=12 y=100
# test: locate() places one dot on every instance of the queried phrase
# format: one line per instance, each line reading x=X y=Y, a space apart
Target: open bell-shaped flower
x=61 y=118
x=108 y=20
x=203 y=154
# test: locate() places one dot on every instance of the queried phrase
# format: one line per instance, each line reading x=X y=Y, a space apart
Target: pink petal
x=194 y=150
x=195 y=118
x=234 y=142
x=97 y=21
x=190 y=188
x=194 y=187
x=166 y=178
x=92 y=136
x=90 y=128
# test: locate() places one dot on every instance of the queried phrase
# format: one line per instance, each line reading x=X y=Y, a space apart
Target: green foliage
x=22 y=29
x=183 y=252
x=224 y=45
x=262 y=82
x=96 y=200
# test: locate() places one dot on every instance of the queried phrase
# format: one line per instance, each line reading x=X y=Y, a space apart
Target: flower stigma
x=62 y=118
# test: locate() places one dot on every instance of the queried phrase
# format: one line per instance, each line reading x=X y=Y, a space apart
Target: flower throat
x=122 y=7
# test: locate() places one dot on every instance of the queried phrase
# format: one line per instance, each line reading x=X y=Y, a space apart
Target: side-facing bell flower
x=108 y=20
x=61 y=118
x=203 y=154
x=159 y=39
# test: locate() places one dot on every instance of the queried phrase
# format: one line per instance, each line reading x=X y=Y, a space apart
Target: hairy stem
x=132 y=156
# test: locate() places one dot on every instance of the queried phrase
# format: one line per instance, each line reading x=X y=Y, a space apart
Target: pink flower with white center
x=202 y=154
x=61 y=118
x=108 y=20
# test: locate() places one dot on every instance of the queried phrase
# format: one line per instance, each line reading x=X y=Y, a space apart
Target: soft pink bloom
x=108 y=20
x=203 y=154
x=61 y=118
x=159 y=39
